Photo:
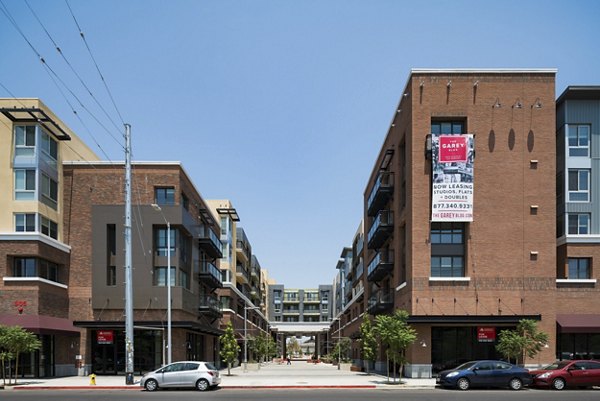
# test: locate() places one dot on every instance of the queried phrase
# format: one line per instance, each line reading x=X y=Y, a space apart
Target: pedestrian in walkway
x=289 y=361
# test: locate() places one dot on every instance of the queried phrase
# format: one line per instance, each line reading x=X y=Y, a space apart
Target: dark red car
x=561 y=374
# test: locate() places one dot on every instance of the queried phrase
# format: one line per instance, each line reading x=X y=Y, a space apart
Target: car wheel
x=202 y=385
x=515 y=384
x=463 y=384
x=151 y=385
x=558 y=383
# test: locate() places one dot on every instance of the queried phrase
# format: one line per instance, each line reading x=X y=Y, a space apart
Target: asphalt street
x=304 y=395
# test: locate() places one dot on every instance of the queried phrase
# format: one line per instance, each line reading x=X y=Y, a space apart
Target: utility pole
x=128 y=263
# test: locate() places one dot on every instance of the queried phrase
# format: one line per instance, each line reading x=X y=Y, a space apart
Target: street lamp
x=246 y=308
x=339 y=345
x=169 y=354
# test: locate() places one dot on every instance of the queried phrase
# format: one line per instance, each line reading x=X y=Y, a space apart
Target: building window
x=579 y=140
x=160 y=276
x=579 y=223
x=48 y=227
x=24 y=184
x=49 y=191
x=447 y=266
x=25 y=222
x=223 y=225
x=164 y=196
x=447 y=233
x=185 y=202
x=579 y=268
x=25 y=140
x=447 y=127
x=225 y=302
x=49 y=146
x=184 y=280
x=25 y=267
x=111 y=276
x=161 y=241
x=33 y=267
x=579 y=185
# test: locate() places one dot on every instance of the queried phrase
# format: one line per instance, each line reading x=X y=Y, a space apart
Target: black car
x=485 y=374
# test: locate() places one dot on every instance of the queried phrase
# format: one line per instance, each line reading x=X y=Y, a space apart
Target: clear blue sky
x=280 y=106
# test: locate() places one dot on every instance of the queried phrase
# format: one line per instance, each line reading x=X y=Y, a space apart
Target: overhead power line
x=95 y=63
x=53 y=75
x=59 y=50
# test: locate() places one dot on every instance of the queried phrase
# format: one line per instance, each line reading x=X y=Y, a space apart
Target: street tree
x=262 y=346
x=526 y=341
x=368 y=341
x=397 y=335
x=229 y=347
x=15 y=340
x=293 y=348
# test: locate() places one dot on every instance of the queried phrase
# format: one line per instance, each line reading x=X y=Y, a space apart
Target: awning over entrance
x=40 y=324
x=470 y=319
x=151 y=325
x=306 y=328
x=578 y=323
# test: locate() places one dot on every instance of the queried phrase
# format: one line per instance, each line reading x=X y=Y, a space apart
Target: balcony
x=242 y=251
x=381 y=301
x=381 y=265
x=241 y=274
x=209 y=274
x=360 y=268
x=210 y=242
x=289 y=311
x=382 y=228
x=381 y=192
x=209 y=306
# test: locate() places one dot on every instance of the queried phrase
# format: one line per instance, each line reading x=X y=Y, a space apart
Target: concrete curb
x=261 y=387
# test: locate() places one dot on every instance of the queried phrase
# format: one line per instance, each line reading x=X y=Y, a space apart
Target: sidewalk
x=271 y=375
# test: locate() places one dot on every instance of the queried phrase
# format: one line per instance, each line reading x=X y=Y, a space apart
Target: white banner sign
x=452 y=166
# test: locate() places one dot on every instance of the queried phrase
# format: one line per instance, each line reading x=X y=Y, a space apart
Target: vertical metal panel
x=587 y=112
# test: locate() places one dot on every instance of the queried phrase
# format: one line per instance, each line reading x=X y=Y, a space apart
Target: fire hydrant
x=92 y=379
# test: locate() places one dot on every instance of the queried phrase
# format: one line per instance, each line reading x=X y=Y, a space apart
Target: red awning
x=40 y=324
x=578 y=323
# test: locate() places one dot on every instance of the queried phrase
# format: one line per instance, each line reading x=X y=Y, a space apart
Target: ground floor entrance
x=108 y=351
x=452 y=346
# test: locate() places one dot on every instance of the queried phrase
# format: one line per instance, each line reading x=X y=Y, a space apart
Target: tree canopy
x=229 y=347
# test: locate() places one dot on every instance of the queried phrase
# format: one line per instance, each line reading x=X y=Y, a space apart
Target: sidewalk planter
x=345 y=366
x=252 y=367
x=421 y=371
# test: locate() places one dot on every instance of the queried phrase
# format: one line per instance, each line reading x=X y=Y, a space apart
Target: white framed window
x=579 y=185
x=25 y=184
x=49 y=146
x=49 y=191
x=579 y=140
x=579 y=223
x=25 y=222
x=24 y=140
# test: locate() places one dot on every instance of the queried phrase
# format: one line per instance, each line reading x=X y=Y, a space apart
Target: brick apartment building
x=35 y=254
x=460 y=217
x=94 y=194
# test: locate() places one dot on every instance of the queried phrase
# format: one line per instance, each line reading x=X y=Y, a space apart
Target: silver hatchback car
x=201 y=375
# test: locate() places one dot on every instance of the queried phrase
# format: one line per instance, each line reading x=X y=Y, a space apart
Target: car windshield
x=556 y=365
x=465 y=366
